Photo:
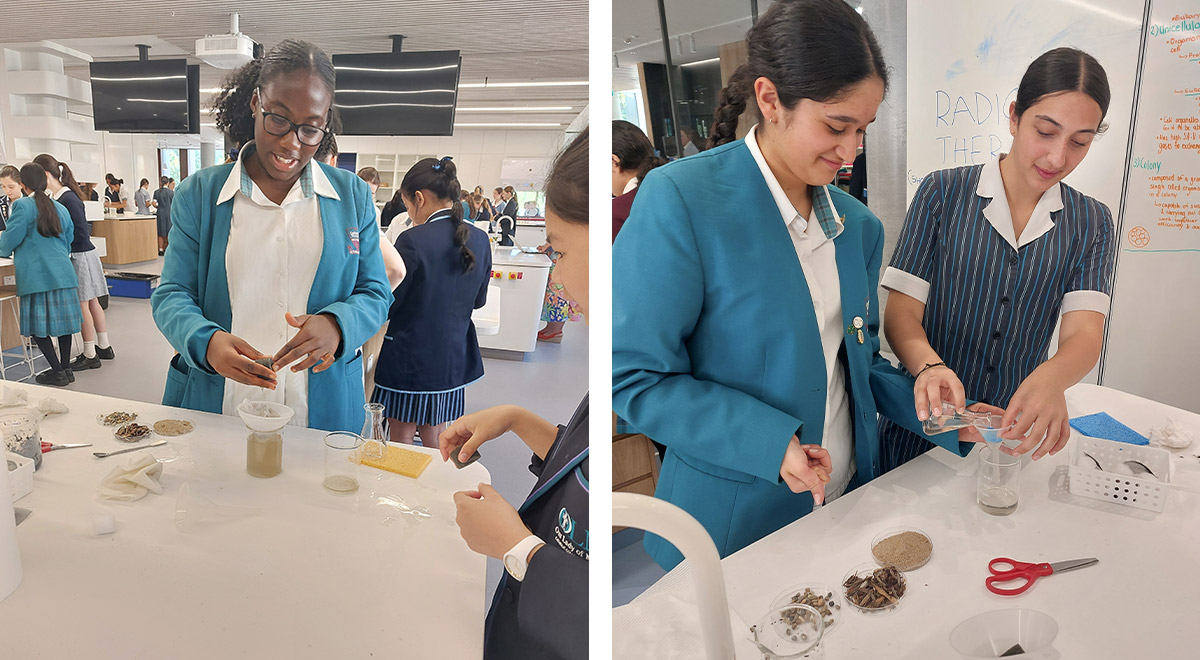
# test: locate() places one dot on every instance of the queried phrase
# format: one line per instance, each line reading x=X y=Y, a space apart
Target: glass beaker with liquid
x=999 y=480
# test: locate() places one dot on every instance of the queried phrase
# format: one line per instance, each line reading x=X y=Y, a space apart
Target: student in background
x=115 y=197
x=486 y=212
x=392 y=210
x=1025 y=249
x=510 y=207
x=540 y=609
x=762 y=421
x=10 y=191
x=162 y=206
x=89 y=274
x=632 y=159
x=431 y=352
x=38 y=238
x=273 y=252
x=141 y=197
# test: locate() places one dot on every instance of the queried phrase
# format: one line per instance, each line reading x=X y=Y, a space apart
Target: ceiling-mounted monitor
x=143 y=96
x=397 y=93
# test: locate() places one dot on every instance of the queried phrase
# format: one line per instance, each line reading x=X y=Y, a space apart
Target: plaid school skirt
x=50 y=313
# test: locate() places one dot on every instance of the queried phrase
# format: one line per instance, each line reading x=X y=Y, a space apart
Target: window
x=531 y=204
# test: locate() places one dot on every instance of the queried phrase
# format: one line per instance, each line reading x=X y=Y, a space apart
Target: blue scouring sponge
x=1101 y=425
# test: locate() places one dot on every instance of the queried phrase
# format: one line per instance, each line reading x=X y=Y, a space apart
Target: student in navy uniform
x=745 y=311
x=430 y=351
x=10 y=191
x=992 y=255
x=114 y=197
x=508 y=228
x=541 y=604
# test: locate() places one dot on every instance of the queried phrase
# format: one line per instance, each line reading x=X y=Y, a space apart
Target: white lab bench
x=521 y=278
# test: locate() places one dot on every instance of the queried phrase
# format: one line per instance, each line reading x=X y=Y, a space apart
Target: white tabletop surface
x=311 y=575
x=513 y=256
x=1139 y=601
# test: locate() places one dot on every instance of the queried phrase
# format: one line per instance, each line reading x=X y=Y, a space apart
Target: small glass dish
x=790 y=631
x=149 y=433
x=915 y=560
x=102 y=418
x=830 y=609
x=866 y=570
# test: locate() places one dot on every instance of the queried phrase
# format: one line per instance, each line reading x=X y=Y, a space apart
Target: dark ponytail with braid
x=231 y=106
x=33 y=177
x=440 y=178
x=809 y=49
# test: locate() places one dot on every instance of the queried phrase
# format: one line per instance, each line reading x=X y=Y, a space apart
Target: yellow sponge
x=401 y=461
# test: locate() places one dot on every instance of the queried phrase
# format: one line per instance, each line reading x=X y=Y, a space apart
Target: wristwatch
x=516 y=560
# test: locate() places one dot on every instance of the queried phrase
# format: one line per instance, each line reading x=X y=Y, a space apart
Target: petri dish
x=907 y=560
x=863 y=571
x=830 y=604
x=149 y=433
x=790 y=631
x=122 y=418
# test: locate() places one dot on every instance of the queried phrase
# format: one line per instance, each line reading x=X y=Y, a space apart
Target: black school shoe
x=52 y=377
x=105 y=353
x=70 y=375
x=84 y=362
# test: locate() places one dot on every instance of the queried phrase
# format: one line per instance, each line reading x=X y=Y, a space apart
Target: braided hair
x=231 y=106
x=439 y=176
x=809 y=49
x=33 y=177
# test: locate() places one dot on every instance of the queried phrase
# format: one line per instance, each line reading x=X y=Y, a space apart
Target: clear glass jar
x=264 y=454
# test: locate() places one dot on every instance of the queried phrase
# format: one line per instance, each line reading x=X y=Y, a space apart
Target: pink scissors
x=1019 y=570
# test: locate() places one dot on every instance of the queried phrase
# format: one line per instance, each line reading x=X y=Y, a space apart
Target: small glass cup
x=999 y=480
x=342 y=456
x=790 y=631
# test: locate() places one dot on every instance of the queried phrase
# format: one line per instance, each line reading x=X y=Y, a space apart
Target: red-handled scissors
x=1004 y=569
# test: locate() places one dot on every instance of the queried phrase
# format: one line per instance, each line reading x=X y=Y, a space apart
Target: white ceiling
x=500 y=40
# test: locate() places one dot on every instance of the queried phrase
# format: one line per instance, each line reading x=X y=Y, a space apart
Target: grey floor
x=550 y=382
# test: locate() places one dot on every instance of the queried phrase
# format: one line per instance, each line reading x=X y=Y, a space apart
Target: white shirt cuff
x=906 y=283
x=1093 y=301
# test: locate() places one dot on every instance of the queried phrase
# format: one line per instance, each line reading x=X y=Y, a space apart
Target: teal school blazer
x=192 y=300
x=41 y=263
x=717 y=352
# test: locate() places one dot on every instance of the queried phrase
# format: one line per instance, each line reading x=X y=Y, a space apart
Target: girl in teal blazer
x=349 y=297
x=39 y=231
x=717 y=345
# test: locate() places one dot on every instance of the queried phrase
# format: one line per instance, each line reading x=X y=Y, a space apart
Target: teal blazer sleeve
x=176 y=301
x=360 y=315
x=659 y=282
x=17 y=227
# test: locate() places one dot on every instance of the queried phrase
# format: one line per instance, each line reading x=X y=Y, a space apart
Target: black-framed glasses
x=278 y=125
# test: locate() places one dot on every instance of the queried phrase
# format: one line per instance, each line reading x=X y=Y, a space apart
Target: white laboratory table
x=1137 y=602
x=522 y=280
x=311 y=575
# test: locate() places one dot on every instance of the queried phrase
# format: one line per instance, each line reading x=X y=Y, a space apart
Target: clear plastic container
x=915 y=563
x=790 y=631
x=1009 y=633
x=999 y=480
x=864 y=571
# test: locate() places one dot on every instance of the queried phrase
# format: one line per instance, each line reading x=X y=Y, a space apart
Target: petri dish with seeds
x=821 y=597
x=906 y=548
x=116 y=418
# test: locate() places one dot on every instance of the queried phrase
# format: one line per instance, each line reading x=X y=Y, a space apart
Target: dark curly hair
x=231 y=106
x=810 y=49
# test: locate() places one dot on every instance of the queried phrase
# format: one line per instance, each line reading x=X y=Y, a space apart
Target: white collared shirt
x=817 y=256
x=271 y=261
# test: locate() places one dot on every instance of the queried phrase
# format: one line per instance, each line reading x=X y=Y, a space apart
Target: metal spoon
x=102 y=454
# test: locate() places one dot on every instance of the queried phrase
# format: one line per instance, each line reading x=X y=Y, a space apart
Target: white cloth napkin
x=133 y=480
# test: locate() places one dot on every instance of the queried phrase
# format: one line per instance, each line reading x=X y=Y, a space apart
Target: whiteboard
x=1151 y=348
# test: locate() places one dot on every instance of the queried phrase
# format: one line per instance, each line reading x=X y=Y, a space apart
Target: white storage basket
x=1144 y=492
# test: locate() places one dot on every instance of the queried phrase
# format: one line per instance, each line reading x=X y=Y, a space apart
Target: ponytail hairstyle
x=163 y=181
x=60 y=172
x=1064 y=70
x=33 y=177
x=440 y=177
x=567 y=185
x=633 y=149
x=231 y=105
x=143 y=183
x=510 y=190
x=809 y=49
